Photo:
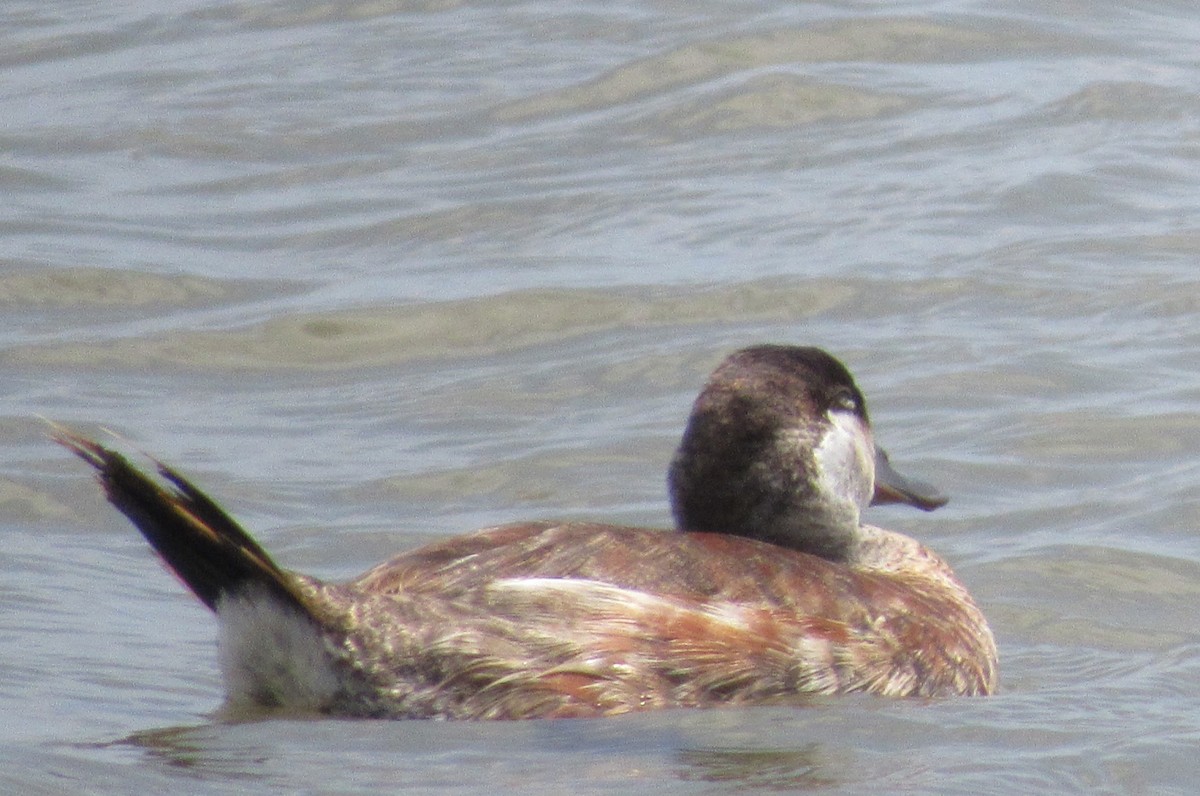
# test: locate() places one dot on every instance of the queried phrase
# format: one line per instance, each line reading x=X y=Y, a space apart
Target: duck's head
x=778 y=447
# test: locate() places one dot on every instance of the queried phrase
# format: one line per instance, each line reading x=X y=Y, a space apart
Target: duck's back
x=545 y=619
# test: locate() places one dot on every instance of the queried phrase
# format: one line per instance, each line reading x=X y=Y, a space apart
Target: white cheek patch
x=845 y=459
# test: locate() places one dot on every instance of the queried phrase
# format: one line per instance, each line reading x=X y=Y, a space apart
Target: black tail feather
x=202 y=544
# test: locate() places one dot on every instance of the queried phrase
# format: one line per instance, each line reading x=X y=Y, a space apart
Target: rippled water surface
x=378 y=272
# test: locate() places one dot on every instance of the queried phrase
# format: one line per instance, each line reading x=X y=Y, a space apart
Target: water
x=374 y=273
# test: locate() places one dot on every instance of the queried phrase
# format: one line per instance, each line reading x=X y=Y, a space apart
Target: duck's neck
x=760 y=488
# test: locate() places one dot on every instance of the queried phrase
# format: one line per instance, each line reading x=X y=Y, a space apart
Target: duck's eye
x=845 y=401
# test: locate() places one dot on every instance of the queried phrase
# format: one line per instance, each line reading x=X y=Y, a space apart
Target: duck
x=770 y=589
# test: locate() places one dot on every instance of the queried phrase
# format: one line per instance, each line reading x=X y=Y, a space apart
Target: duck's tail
x=201 y=544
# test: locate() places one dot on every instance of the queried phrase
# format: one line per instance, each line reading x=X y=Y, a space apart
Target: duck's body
x=774 y=591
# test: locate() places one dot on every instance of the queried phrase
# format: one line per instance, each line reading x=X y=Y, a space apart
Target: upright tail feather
x=202 y=544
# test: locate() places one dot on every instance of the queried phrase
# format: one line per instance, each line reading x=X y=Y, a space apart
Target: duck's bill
x=891 y=487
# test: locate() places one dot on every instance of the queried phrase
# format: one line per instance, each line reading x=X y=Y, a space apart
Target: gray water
x=378 y=272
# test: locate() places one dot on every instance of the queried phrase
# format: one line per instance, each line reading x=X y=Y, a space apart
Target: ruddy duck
x=770 y=588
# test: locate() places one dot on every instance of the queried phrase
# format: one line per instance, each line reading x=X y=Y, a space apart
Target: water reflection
x=806 y=768
x=202 y=749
